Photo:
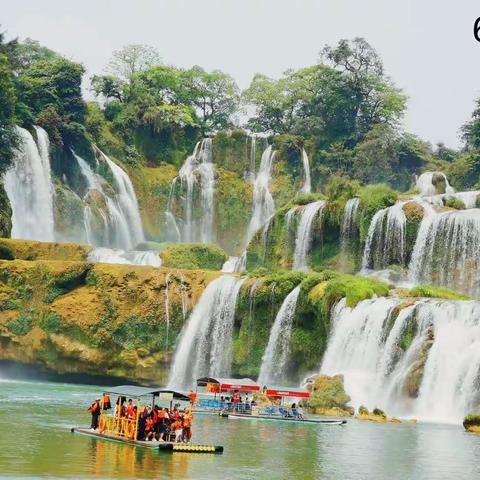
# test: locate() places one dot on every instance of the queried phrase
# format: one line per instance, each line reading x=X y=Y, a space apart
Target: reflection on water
x=35 y=439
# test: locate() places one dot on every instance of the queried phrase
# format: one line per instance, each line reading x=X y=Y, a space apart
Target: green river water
x=35 y=441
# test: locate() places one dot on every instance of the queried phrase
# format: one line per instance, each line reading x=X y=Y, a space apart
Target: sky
x=427 y=46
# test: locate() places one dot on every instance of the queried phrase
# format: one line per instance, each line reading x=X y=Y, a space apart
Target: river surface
x=35 y=441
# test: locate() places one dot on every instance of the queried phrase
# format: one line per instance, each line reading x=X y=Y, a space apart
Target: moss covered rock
x=327 y=393
x=437 y=292
x=193 y=256
x=33 y=250
x=471 y=423
x=75 y=317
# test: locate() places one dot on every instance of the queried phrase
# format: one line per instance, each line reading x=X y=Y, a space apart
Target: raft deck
x=153 y=444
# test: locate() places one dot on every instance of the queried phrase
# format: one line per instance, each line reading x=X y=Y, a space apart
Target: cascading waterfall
x=127 y=202
x=422 y=361
x=29 y=188
x=446 y=251
x=263 y=204
x=198 y=164
x=277 y=354
x=124 y=257
x=167 y=306
x=250 y=174
x=425 y=183
x=307 y=182
x=303 y=238
x=122 y=226
x=386 y=241
x=204 y=346
x=349 y=222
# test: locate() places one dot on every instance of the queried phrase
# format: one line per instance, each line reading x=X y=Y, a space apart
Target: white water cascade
x=204 y=346
x=263 y=204
x=423 y=362
x=446 y=251
x=386 y=240
x=303 y=238
x=307 y=181
x=425 y=183
x=124 y=257
x=198 y=165
x=29 y=188
x=349 y=222
x=127 y=202
x=122 y=226
x=277 y=354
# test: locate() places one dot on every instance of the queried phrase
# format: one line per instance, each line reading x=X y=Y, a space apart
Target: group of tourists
x=148 y=424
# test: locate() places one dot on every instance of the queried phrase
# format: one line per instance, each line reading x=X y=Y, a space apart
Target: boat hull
x=283 y=419
x=161 y=446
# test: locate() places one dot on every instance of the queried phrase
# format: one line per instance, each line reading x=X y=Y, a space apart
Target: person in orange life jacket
x=94 y=409
x=149 y=427
x=130 y=409
x=106 y=404
x=192 y=397
x=177 y=427
x=163 y=420
x=187 y=426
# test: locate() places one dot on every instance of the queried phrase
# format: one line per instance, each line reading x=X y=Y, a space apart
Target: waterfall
x=303 y=238
x=468 y=198
x=204 y=346
x=198 y=164
x=122 y=226
x=349 y=223
x=277 y=354
x=130 y=257
x=263 y=204
x=127 y=202
x=29 y=188
x=446 y=251
x=425 y=184
x=307 y=182
x=423 y=361
x=167 y=306
x=250 y=173
x=386 y=241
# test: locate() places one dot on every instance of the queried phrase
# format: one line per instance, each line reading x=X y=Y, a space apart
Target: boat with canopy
x=239 y=405
x=127 y=429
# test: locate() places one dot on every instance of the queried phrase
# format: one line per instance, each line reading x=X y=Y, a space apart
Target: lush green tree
x=108 y=86
x=52 y=90
x=471 y=129
x=7 y=113
x=214 y=95
x=132 y=59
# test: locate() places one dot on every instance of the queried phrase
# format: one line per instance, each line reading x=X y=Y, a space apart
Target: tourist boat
x=121 y=429
x=244 y=409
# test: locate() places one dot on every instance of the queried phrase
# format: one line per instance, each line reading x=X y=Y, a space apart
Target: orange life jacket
x=187 y=420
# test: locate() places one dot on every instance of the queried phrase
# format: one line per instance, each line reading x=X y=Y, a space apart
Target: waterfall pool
x=35 y=441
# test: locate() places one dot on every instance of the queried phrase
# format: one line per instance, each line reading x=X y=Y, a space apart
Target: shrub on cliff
x=193 y=256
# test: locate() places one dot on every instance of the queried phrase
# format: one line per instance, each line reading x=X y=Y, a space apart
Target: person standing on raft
x=95 y=410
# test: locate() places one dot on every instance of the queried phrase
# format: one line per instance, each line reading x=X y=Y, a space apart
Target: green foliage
x=193 y=256
x=73 y=277
x=456 y=203
x=21 y=326
x=7 y=114
x=328 y=392
x=6 y=253
x=353 y=288
x=437 y=292
x=52 y=323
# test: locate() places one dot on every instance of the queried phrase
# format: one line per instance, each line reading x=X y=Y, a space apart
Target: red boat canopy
x=286 y=392
x=230 y=384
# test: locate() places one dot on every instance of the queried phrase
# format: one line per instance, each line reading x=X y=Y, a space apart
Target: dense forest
x=345 y=110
